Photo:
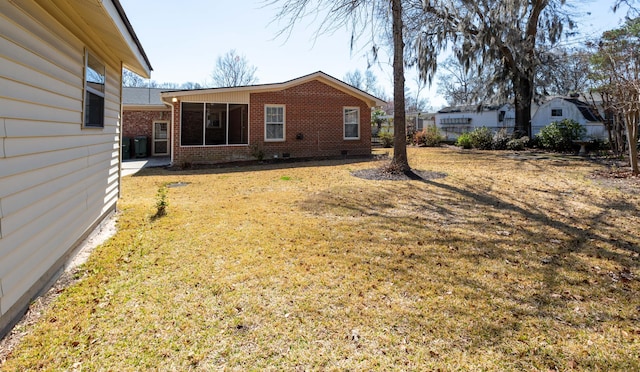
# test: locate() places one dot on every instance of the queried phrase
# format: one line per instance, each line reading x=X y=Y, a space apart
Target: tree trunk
x=632 y=140
x=523 y=90
x=400 y=160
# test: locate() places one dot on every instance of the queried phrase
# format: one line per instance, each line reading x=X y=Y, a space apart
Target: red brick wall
x=313 y=109
x=140 y=123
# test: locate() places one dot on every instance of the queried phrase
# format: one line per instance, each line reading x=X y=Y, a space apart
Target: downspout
x=120 y=135
x=173 y=108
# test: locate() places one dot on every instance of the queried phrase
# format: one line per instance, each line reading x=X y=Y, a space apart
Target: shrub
x=431 y=136
x=559 y=135
x=464 y=141
x=481 y=138
x=386 y=139
x=500 y=139
x=518 y=144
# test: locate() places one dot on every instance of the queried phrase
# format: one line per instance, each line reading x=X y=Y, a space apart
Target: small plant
x=559 y=135
x=161 y=201
x=386 y=139
x=464 y=141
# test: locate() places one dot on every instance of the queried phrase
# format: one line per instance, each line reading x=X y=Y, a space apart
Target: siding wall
x=543 y=117
x=313 y=109
x=57 y=180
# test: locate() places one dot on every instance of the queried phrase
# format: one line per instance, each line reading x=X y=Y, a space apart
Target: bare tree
x=463 y=86
x=503 y=35
x=233 y=70
x=354 y=79
x=359 y=15
x=618 y=60
x=132 y=80
x=562 y=72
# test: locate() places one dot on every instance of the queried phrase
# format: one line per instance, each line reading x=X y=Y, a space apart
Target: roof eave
x=369 y=99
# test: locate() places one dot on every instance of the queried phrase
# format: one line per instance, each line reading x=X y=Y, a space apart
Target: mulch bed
x=383 y=174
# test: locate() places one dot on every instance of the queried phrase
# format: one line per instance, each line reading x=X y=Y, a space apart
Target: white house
x=559 y=108
x=60 y=107
x=455 y=120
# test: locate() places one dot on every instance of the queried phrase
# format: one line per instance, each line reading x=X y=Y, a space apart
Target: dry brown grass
x=508 y=263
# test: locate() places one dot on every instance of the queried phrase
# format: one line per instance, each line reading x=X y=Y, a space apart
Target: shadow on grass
x=519 y=236
x=256 y=166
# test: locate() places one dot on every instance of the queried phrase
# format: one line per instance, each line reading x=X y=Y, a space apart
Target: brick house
x=145 y=115
x=315 y=115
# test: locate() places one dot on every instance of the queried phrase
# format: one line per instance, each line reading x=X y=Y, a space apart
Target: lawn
x=510 y=262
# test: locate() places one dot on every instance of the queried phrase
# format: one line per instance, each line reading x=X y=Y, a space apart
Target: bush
x=464 y=141
x=559 y=135
x=430 y=136
x=500 y=139
x=481 y=138
x=386 y=139
x=518 y=144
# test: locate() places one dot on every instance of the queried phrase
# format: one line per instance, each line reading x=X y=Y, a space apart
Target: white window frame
x=284 y=123
x=89 y=89
x=557 y=109
x=344 y=123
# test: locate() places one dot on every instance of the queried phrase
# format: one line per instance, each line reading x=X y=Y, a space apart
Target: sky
x=183 y=40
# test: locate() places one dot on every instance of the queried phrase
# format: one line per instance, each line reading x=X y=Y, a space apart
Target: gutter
x=129 y=27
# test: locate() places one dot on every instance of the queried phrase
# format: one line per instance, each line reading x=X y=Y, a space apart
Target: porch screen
x=214 y=124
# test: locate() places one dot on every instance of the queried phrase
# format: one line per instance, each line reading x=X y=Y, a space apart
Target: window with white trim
x=351 y=123
x=94 y=88
x=556 y=112
x=274 y=122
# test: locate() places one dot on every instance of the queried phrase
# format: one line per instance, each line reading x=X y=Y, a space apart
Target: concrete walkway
x=132 y=166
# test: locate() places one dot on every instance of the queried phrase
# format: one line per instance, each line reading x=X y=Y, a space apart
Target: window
x=556 y=112
x=351 y=123
x=274 y=119
x=455 y=121
x=213 y=124
x=93 y=92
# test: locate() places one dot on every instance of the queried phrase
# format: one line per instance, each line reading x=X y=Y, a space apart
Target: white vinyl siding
x=351 y=123
x=56 y=179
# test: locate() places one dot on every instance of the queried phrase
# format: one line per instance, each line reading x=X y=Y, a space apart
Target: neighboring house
x=315 y=115
x=415 y=122
x=60 y=104
x=559 y=108
x=145 y=115
x=418 y=121
x=455 y=120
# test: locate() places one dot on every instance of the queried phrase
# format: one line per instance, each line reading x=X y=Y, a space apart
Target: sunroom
x=214 y=124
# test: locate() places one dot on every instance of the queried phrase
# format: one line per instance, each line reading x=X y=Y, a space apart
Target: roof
x=589 y=113
x=132 y=96
x=104 y=28
x=470 y=108
x=371 y=100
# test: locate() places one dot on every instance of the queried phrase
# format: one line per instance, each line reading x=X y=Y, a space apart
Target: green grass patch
x=505 y=264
